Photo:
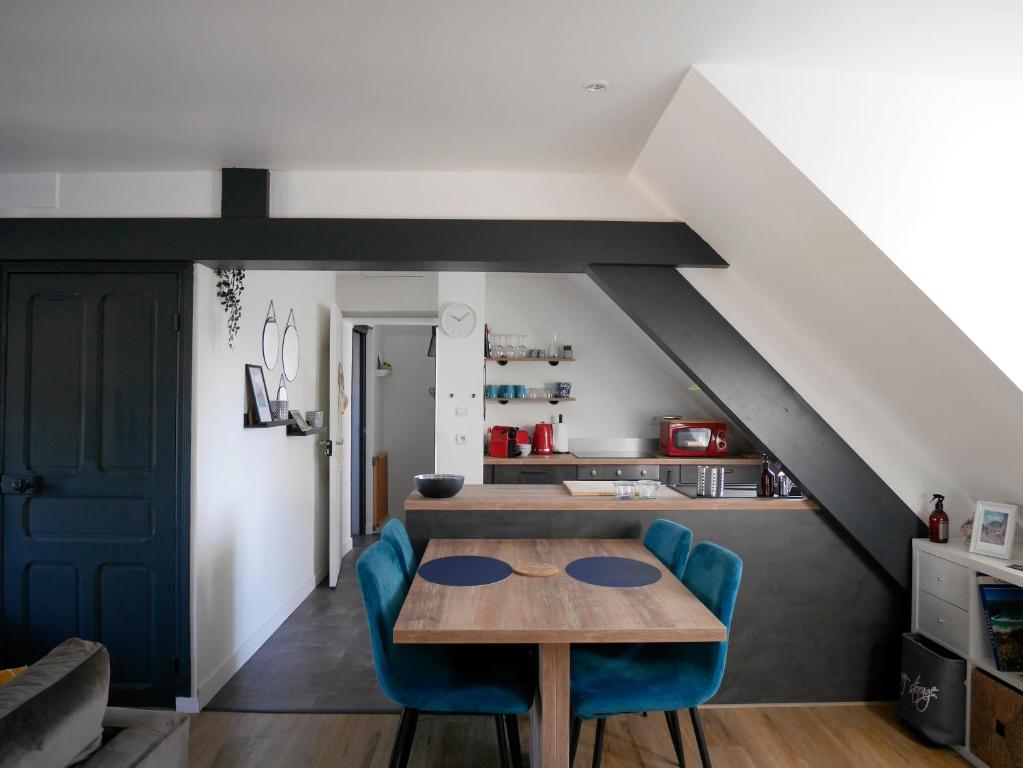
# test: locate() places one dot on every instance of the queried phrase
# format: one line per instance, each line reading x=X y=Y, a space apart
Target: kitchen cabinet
x=488 y=474
x=617 y=472
x=533 y=475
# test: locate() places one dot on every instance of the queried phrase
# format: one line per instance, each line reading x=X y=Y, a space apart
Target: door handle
x=327 y=447
x=25 y=485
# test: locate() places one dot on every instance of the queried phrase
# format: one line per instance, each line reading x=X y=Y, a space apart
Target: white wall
x=344 y=194
x=620 y=378
x=460 y=381
x=928 y=168
x=406 y=409
x=866 y=348
x=257 y=509
x=459 y=195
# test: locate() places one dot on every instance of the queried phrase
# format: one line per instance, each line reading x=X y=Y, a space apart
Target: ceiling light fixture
x=595 y=86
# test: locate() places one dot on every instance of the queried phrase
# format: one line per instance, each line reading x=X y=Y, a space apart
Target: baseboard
x=187 y=706
x=766 y=705
x=209 y=687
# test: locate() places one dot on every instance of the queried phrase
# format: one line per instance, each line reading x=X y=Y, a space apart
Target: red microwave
x=687 y=437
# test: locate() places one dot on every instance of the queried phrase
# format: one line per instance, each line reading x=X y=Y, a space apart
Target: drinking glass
x=521 y=350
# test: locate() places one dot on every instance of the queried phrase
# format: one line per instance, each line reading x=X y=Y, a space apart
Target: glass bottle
x=765 y=488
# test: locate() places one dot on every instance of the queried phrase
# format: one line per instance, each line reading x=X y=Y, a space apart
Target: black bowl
x=439 y=486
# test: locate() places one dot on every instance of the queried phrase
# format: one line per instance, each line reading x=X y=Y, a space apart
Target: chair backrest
x=400 y=668
x=669 y=542
x=713 y=575
x=394 y=533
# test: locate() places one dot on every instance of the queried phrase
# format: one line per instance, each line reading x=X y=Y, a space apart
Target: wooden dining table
x=551 y=612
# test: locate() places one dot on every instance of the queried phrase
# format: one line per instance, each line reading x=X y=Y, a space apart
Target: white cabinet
x=948 y=610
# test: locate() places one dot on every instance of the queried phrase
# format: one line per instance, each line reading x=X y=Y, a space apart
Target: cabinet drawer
x=945 y=579
x=618 y=472
x=943 y=622
x=533 y=474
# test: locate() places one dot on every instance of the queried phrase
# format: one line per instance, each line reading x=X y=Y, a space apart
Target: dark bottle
x=937 y=523
x=765 y=488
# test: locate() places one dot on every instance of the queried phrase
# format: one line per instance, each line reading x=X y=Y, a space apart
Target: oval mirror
x=282 y=389
x=289 y=348
x=271 y=339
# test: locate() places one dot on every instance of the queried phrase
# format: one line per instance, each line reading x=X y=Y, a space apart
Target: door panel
x=91 y=408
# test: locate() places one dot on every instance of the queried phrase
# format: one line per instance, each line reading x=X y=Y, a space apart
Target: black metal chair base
x=507 y=739
x=671 y=717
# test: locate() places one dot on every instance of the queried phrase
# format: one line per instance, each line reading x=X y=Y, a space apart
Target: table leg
x=550 y=718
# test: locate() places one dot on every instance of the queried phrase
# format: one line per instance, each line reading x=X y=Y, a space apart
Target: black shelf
x=269 y=424
x=295 y=431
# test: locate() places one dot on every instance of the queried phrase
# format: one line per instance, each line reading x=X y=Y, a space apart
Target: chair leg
x=676 y=736
x=402 y=748
x=573 y=745
x=598 y=743
x=700 y=742
x=502 y=741
x=511 y=724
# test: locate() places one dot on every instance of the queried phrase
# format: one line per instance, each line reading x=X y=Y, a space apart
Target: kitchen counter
x=571 y=458
x=554 y=498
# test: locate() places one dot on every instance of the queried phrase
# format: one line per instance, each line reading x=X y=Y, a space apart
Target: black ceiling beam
x=745 y=386
x=362 y=244
x=245 y=193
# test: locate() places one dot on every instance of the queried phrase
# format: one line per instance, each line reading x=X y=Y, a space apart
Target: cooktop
x=611 y=454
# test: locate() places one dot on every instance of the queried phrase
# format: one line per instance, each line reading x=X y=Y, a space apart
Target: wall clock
x=458 y=320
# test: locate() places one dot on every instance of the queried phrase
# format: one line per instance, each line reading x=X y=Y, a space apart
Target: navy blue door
x=90 y=475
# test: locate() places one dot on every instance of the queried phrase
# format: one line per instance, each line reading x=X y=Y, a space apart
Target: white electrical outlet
x=461 y=440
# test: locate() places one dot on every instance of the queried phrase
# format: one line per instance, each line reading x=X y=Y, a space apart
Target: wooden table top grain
x=554 y=498
x=552 y=609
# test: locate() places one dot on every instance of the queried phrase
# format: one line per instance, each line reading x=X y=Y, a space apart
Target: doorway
x=359 y=397
x=95 y=470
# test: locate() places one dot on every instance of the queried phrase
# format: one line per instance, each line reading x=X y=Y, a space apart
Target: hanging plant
x=230 y=284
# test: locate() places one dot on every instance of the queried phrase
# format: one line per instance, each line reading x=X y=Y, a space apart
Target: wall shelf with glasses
x=551 y=400
x=548 y=360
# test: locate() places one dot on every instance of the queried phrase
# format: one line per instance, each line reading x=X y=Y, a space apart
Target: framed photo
x=259 y=401
x=994 y=525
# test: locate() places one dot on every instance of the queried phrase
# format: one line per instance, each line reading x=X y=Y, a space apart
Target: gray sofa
x=56 y=714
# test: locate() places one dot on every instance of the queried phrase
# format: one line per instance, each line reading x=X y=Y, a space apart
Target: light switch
x=461 y=410
x=460 y=440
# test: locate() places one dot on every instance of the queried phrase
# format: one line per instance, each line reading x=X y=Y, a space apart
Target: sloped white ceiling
x=928 y=168
x=859 y=341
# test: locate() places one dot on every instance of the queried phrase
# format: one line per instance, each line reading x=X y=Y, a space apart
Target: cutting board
x=590 y=487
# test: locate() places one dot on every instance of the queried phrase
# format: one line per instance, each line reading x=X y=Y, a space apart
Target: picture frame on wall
x=259 y=400
x=994 y=526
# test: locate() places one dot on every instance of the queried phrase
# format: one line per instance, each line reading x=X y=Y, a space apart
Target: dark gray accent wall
x=745 y=386
x=363 y=244
x=816 y=619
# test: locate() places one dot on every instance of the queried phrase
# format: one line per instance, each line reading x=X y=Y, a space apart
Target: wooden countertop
x=571 y=458
x=478 y=498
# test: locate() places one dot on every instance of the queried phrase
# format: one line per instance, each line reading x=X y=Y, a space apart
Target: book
x=1003 y=614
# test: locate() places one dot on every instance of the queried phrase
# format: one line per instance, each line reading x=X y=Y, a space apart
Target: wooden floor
x=857 y=736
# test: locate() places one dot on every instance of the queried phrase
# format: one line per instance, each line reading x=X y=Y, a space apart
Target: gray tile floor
x=319 y=660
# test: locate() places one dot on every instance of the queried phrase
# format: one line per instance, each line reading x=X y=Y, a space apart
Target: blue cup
x=520 y=390
x=490 y=391
x=505 y=391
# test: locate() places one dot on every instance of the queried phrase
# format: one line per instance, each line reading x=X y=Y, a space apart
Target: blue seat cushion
x=650 y=677
x=492 y=679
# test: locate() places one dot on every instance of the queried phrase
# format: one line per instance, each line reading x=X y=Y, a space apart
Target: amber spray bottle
x=937 y=523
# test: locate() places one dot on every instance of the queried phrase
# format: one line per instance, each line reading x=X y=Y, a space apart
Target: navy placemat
x=465 y=570
x=613 y=571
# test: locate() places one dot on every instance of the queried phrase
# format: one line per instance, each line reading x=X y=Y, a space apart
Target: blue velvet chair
x=669 y=542
x=660 y=677
x=464 y=679
x=394 y=533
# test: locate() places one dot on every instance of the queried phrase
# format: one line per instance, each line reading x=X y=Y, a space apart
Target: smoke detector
x=595 y=86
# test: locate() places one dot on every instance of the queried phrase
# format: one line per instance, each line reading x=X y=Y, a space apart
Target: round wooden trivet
x=536 y=569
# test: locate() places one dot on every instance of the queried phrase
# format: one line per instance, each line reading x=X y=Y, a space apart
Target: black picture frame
x=258 y=397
